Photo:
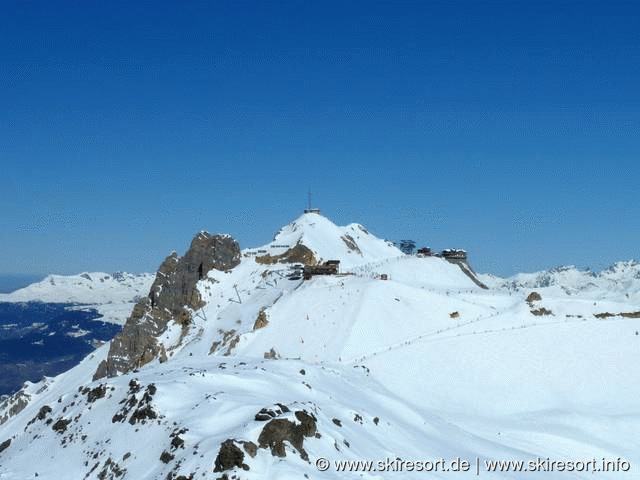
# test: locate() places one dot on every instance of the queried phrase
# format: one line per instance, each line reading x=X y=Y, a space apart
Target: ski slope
x=423 y=366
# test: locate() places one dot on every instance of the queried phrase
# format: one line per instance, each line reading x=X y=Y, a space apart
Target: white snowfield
x=352 y=245
x=620 y=281
x=424 y=367
x=112 y=295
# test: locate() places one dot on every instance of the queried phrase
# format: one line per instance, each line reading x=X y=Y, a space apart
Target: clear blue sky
x=126 y=127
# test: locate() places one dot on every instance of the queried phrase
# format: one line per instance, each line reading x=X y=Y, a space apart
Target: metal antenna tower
x=309 y=208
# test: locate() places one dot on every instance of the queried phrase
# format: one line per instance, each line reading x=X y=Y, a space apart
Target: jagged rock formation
x=172 y=297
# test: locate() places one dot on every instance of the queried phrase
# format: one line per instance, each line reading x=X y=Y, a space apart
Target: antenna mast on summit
x=309 y=208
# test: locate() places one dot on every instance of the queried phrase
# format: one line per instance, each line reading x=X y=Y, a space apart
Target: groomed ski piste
x=422 y=367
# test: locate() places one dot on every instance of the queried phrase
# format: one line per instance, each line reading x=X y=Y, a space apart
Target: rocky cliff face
x=172 y=297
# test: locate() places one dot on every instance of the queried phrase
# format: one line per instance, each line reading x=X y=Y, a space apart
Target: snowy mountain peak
x=111 y=294
x=625 y=269
x=619 y=281
x=86 y=287
x=353 y=245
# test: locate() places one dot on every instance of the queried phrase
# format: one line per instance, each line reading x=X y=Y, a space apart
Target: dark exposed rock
x=463 y=264
x=4 y=445
x=268 y=413
x=622 y=314
x=261 y=321
x=533 y=297
x=118 y=417
x=178 y=431
x=177 y=442
x=134 y=386
x=264 y=415
x=61 y=425
x=541 y=311
x=271 y=354
x=229 y=456
x=337 y=422
x=229 y=341
x=251 y=448
x=172 y=296
x=151 y=391
x=110 y=470
x=166 y=457
x=351 y=243
x=307 y=423
x=41 y=415
x=13 y=405
x=296 y=254
x=279 y=430
x=275 y=433
x=142 y=414
x=144 y=410
x=99 y=392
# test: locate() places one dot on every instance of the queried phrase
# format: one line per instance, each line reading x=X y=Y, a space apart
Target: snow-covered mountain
x=112 y=295
x=619 y=281
x=352 y=244
x=233 y=367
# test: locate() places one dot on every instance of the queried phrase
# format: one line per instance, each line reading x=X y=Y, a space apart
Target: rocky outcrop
x=533 y=297
x=4 y=445
x=173 y=296
x=261 y=321
x=297 y=254
x=229 y=456
x=467 y=270
x=621 y=314
x=351 y=244
x=13 y=405
x=279 y=430
x=174 y=286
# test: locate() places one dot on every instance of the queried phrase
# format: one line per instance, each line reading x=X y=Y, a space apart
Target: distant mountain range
x=112 y=295
x=621 y=281
x=257 y=364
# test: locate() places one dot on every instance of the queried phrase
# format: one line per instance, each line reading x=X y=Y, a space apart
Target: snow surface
x=329 y=241
x=422 y=366
x=112 y=295
x=620 y=281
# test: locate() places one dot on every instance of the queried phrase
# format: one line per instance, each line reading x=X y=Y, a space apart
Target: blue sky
x=126 y=127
